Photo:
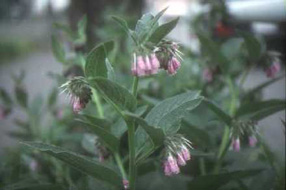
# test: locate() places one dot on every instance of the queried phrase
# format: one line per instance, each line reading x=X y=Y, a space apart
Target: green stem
x=135 y=86
x=244 y=75
x=120 y=165
x=98 y=104
x=131 y=142
x=225 y=143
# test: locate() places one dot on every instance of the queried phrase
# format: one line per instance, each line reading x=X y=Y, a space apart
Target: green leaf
x=58 y=50
x=125 y=27
x=169 y=113
x=110 y=140
x=110 y=71
x=252 y=45
x=163 y=30
x=156 y=134
x=120 y=127
x=216 y=181
x=21 y=96
x=103 y=123
x=95 y=62
x=79 y=162
x=260 y=87
x=81 y=28
x=166 y=115
x=231 y=48
x=260 y=110
x=118 y=96
x=219 y=112
x=146 y=26
x=198 y=135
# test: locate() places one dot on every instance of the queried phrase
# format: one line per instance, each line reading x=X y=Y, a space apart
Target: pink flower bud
x=171 y=69
x=236 y=144
x=173 y=165
x=207 y=75
x=252 y=141
x=176 y=63
x=141 y=67
x=186 y=153
x=125 y=183
x=180 y=159
x=155 y=62
x=167 y=169
x=148 y=67
x=77 y=105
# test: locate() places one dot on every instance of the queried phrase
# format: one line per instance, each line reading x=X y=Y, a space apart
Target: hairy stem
x=98 y=104
x=225 y=143
x=131 y=142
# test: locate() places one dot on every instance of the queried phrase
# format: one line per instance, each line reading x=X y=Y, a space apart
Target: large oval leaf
x=169 y=113
x=79 y=162
x=115 y=94
x=95 y=61
x=110 y=140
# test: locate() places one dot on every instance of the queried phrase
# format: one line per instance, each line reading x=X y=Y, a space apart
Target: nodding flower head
x=252 y=141
x=241 y=128
x=273 y=69
x=145 y=66
x=177 y=154
x=168 y=55
x=79 y=93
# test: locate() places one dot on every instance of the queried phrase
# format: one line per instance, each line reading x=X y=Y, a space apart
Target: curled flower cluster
x=144 y=66
x=79 y=93
x=177 y=154
x=165 y=56
x=240 y=128
x=273 y=69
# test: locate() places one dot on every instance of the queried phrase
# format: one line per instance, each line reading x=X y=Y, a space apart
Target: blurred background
x=26 y=27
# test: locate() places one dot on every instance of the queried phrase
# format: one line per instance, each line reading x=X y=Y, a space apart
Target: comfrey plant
x=165 y=132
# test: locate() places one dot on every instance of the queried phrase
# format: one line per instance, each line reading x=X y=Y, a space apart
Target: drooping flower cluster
x=273 y=69
x=241 y=128
x=165 y=56
x=274 y=64
x=144 y=66
x=177 y=153
x=79 y=93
